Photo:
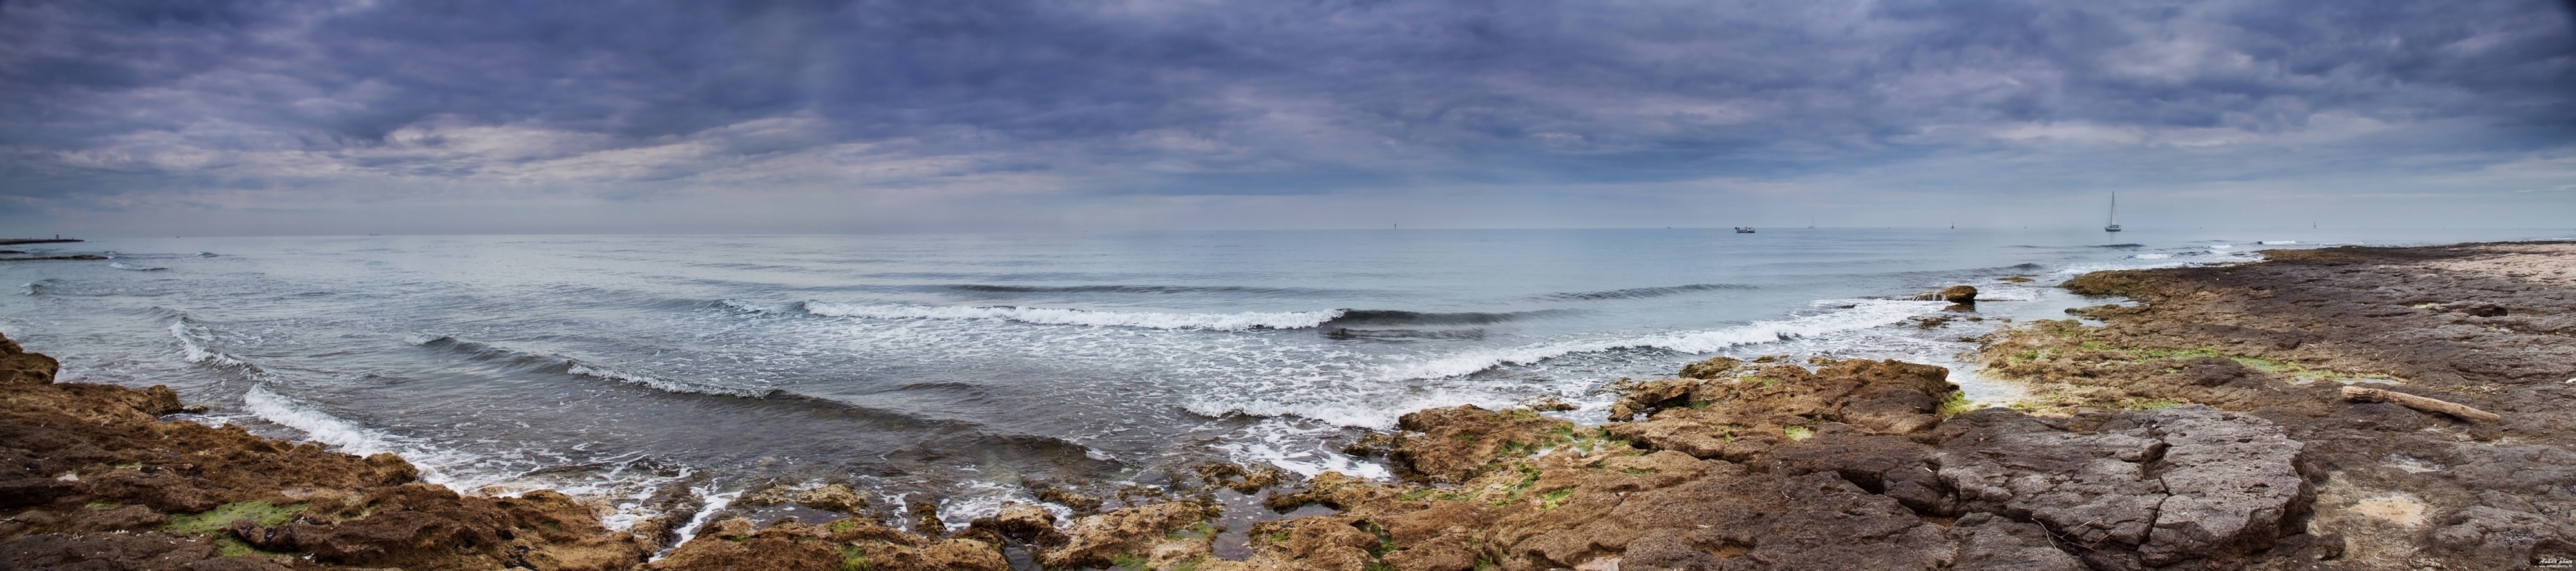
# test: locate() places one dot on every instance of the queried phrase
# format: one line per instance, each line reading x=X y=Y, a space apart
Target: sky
x=212 y=117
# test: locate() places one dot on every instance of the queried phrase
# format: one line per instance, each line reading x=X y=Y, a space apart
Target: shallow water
x=955 y=366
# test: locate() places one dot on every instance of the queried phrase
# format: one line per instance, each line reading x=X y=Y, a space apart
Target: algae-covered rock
x=1738 y=417
x=101 y=454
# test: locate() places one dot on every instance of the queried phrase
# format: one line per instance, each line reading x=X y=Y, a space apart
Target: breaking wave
x=1046 y=316
x=436 y=466
x=541 y=362
x=1645 y=292
x=1856 y=314
x=1145 y=289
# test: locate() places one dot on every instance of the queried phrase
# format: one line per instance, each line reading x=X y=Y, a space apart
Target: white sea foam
x=2152 y=256
x=352 y=438
x=1046 y=316
x=189 y=349
x=2223 y=247
x=1861 y=315
x=1373 y=395
x=984 y=499
x=126 y=266
x=715 y=503
x=1297 y=446
x=598 y=372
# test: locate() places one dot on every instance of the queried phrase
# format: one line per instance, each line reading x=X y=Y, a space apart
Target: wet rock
x=1549 y=404
x=1019 y=523
x=1961 y=294
x=1456 y=444
x=1642 y=397
x=1240 y=478
x=1713 y=368
x=834 y=497
x=2473 y=308
x=1166 y=534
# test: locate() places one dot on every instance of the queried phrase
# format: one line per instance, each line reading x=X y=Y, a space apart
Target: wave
x=578 y=368
x=187 y=330
x=1645 y=292
x=1855 y=315
x=350 y=437
x=2277 y=242
x=320 y=426
x=558 y=364
x=1367 y=317
x=1348 y=333
x=1148 y=289
x=125 y=266
x=1045 y=316
x=710 y=504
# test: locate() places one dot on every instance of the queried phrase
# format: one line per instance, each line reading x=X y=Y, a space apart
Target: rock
x=843 y=544
x=148 y=551
x=1740 y=417
x=834 y=497
x=2473 y=308
x=1960 y=294
x=101 y=454
x=1643 y=397
x=18 y=367
x=1713 y=368
x=1549 y=404
x=1456 y=444
x=1996 y=544
x=1154 y=530
x=2172 y=485
x=2498 y=538
x=1019 y=523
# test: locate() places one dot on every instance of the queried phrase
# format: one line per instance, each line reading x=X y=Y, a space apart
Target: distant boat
x=2115 y=214
x=1744 y=229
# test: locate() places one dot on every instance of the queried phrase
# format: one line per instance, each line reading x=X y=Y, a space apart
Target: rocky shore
x=2197 y=420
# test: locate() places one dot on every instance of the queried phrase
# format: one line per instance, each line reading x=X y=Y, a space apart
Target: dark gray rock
x=2151 y=489
x=1995 y=544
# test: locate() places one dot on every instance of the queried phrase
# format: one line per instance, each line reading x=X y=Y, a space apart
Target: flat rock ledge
x=1823 y=468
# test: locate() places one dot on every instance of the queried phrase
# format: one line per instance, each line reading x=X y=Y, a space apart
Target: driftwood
x=2419 y=403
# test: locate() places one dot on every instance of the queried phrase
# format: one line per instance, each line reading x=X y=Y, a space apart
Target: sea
x=669 y=375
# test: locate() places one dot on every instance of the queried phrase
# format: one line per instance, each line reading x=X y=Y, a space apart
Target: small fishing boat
x=1744 y=229
x=2115 y=214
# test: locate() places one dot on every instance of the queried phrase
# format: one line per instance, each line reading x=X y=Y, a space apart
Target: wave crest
x=1645 y=292
x=1860 y=314
x=1083 y=317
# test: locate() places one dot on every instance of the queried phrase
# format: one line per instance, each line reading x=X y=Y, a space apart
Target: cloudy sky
x=318 y=117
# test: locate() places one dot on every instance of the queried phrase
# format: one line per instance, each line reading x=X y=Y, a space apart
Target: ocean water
x=958 y=369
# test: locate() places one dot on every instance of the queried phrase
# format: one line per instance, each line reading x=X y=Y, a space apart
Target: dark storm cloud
x=125 y=98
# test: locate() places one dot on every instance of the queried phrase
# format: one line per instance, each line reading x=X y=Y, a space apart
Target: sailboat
x=2115 y=214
